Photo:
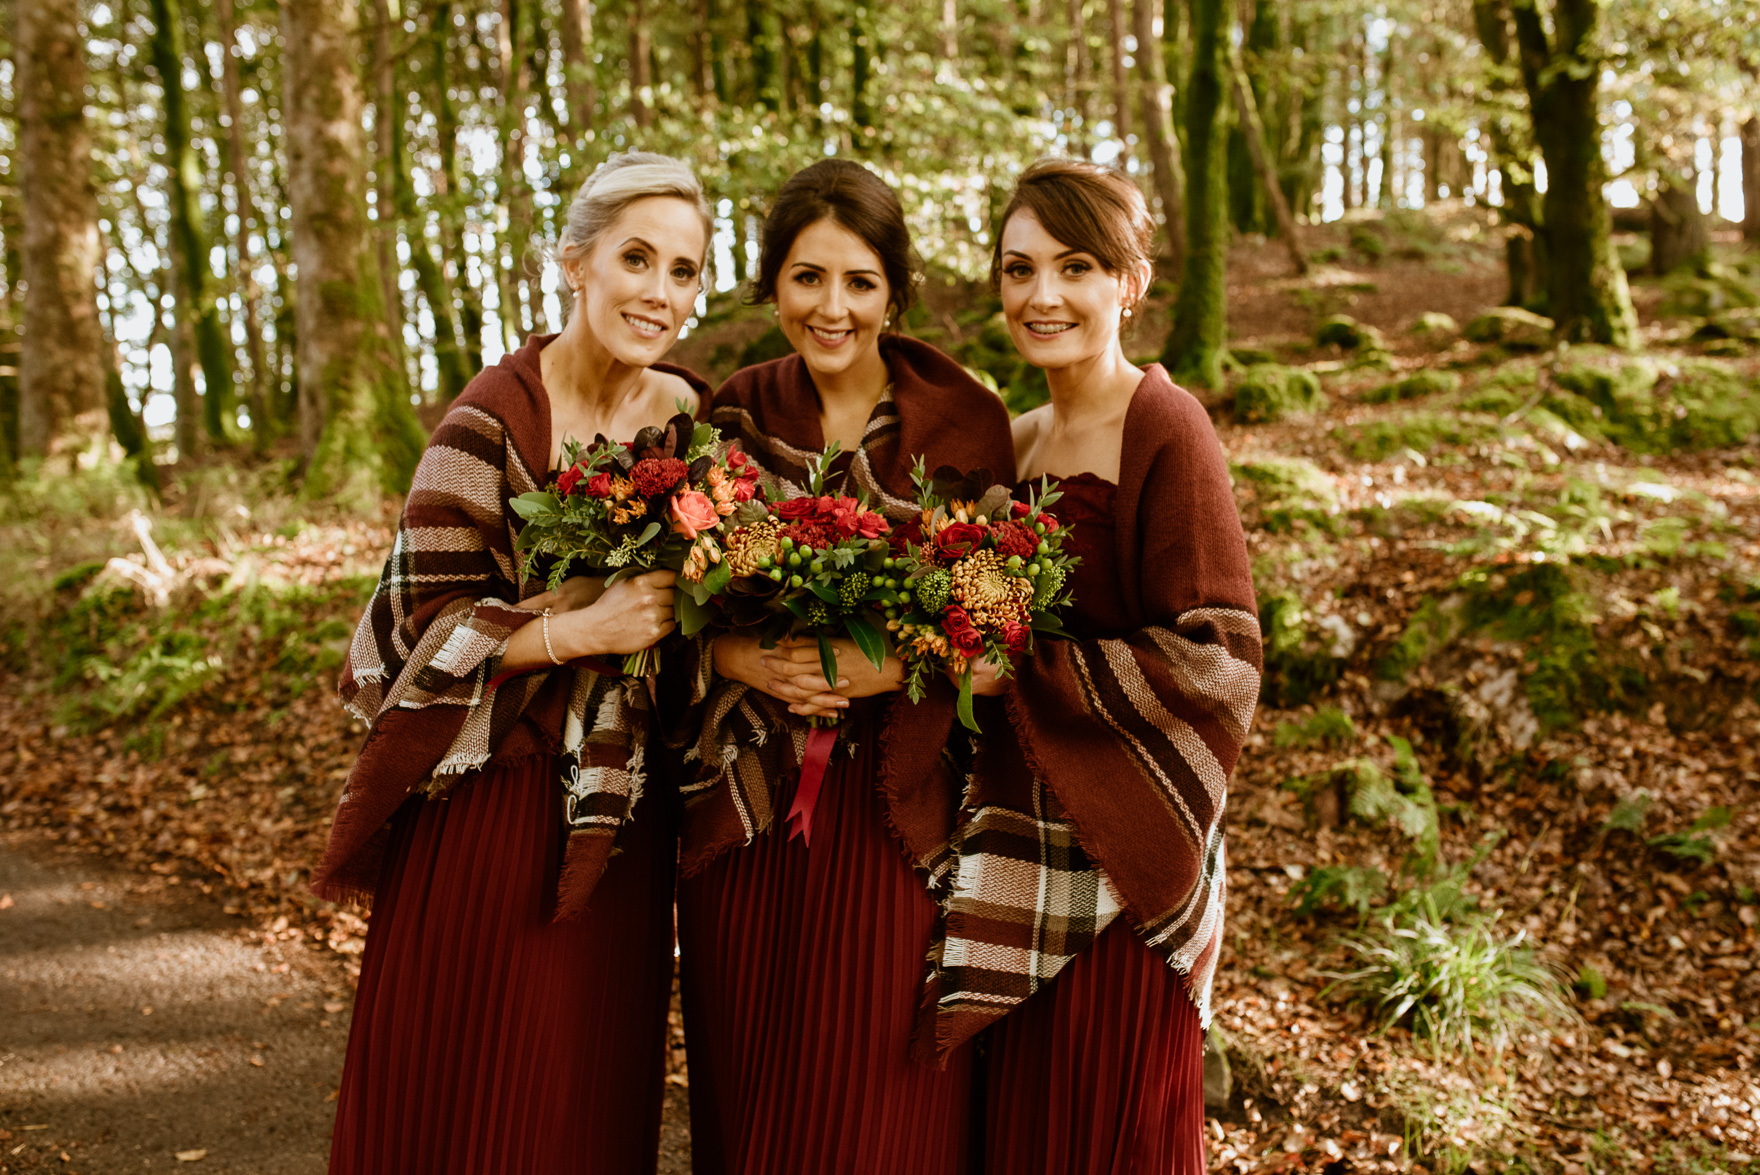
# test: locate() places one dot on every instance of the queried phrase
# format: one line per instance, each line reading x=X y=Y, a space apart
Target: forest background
x=1470 y=290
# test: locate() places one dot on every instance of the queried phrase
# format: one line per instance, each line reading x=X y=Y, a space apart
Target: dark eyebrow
x=851 y=272
x=1017 y=253
x=638 y=241
x=1070 y=253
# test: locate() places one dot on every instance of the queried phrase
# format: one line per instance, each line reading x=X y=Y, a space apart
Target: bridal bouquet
x=818 y=566
x=658 y=504
x=814 y=566
x=983 y=573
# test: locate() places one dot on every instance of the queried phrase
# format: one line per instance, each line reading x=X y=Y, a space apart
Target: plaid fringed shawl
x=1103 y=789
x=432 y=638
x=743 y=741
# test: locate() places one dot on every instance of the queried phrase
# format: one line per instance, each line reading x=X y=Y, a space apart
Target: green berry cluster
x=1050 y=583
x=933 y=589
x=854 y=587
x=818 y=613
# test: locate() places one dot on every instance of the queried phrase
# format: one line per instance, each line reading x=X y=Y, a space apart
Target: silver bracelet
x=554 y=659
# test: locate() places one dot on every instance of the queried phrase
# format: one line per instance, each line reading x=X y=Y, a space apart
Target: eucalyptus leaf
x=692 y=616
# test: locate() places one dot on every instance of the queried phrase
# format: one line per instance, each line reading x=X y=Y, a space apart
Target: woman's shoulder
x=673 y=392
x=1028 y=427
x=746 y=386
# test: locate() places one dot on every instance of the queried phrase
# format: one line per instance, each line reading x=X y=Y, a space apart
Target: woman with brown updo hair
x=1102 y=794
x=802 y=955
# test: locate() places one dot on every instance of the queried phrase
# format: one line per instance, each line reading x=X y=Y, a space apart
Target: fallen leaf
x=5 y=901
x=335 y=1006
x=146 y=1011
x=191 y=1156
x=257 y=1061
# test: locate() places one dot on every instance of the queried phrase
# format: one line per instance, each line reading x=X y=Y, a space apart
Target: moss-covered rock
x=1347 y=334
x=1301 y=656
x=1708 y=290
x=1650 y=407
x=1271 y=391
x=1418 y=384
x=1434 y=323
x=1742 y=323
x=1291 y=494
x=1511 y=326
x=1420 y=432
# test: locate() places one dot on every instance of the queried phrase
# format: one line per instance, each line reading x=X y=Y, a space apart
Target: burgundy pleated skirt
x=487 y=1038
x=801 y=970
x=1100 y=1073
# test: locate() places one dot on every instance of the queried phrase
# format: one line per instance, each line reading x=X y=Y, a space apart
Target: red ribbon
x=820 y=740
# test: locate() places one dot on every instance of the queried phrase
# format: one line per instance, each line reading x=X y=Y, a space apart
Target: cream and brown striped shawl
x=420 y=668
x=739 y=742
x=1102 y=789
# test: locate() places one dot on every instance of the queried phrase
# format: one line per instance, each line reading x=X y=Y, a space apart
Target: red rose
x=1015 y=637
x=956 y=540
x=736 y=459
x=871 y=525
x=955 y=620
x=796 y=508
x=599 y=485
x=1019 y=509
x=1015 y=538
x=1048 y=522
x=566 y=479
x=743 y=489
x=968 y=643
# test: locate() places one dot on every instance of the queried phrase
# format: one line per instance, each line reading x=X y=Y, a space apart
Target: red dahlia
x=657 y=475
x=1015 y=538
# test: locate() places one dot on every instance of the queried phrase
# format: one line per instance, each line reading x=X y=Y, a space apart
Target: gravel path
x=142 y=1028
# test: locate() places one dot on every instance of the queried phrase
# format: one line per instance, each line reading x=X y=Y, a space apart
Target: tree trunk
x=1076 y=81
x=860 y=35
x=1158 y=130
x=1199 y=341
x=1586 y=287
x=357 y=432
x=950 y=29
x=388 y=111
x=641 y=81
x=61 y=369
x=577 y=65
x=195 y=300
x=513 y=196
x=1254 y=131
x=431 y=280
x=1121 y=98
x=244 y=209
x=1751 y=179
x=1386 y=195
x=12 y=263
x=450 y=195
x=1678 y=233
x=1512 y=153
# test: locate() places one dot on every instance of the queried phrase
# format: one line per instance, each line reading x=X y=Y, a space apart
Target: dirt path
x=142 y=1028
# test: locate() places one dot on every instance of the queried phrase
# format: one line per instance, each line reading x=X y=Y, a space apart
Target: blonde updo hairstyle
x=616 y=184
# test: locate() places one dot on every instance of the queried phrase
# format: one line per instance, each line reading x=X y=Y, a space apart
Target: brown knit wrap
x=1103 y=791
x=433 y=636
x=745 y=741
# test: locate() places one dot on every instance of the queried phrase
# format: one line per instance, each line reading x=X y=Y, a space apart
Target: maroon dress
x=488 y=1038
x=1102 y=1071
x=801 y=975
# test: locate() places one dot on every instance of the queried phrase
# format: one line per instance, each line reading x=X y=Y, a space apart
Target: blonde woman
x=511 y=1015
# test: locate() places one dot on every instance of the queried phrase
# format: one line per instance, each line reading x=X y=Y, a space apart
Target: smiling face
x=831 y=298
x=1061 y=305
x=638 y=285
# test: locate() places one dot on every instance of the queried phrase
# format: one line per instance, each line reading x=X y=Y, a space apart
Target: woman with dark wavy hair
x=802 y=956
x=1093 y=827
